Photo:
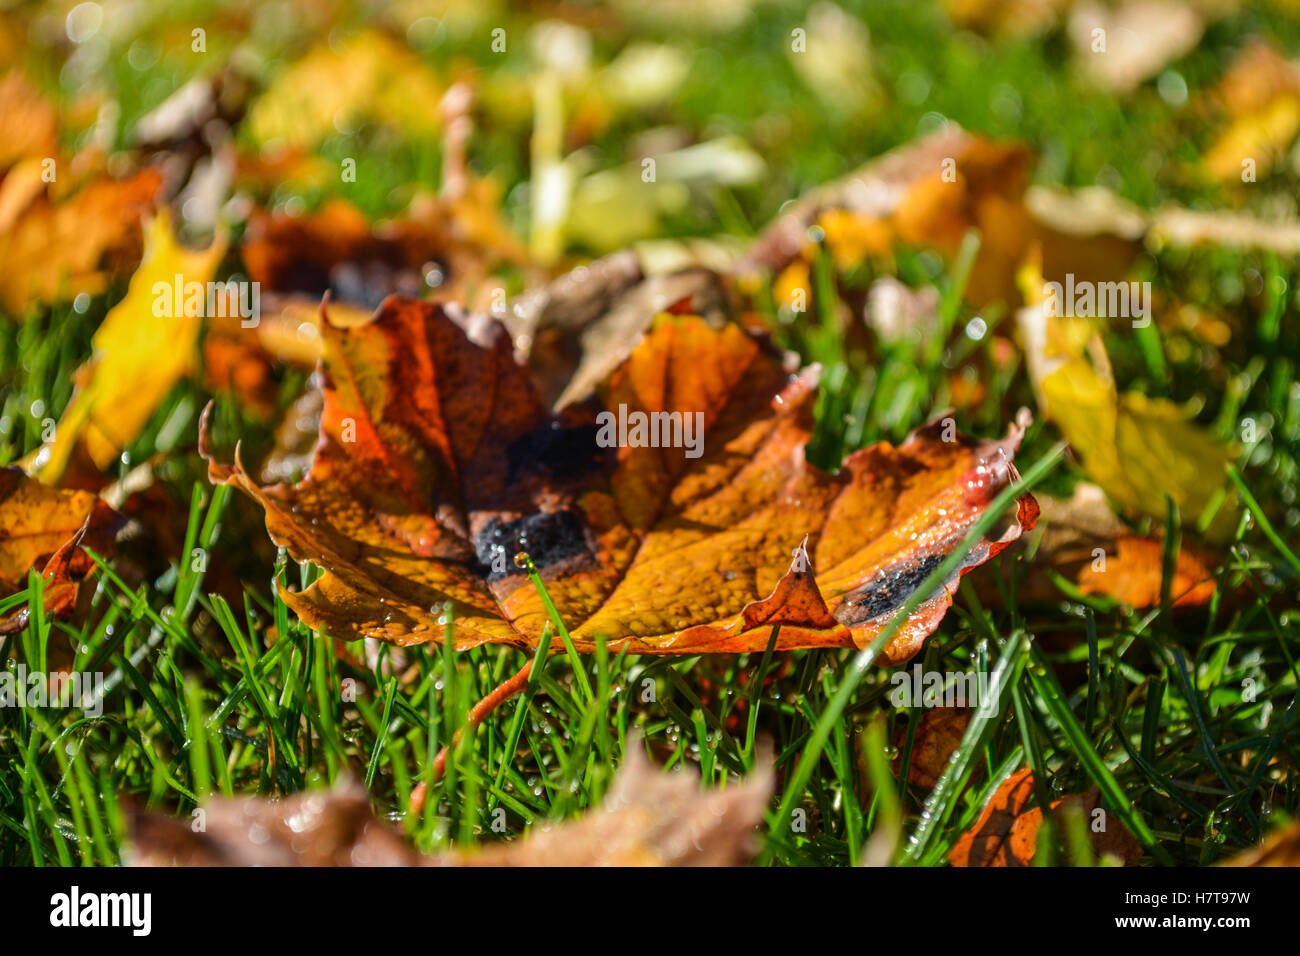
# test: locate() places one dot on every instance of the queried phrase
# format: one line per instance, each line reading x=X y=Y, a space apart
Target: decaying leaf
x=1121 y=47
x=44 y=528
x=144 y=346
x=648 y=818
x=937 y=736
x=438 y=463
x=929 y=193
x=1084 y=541
x=53 y=247
x=1138 y=449
x=1280 y=848
x=1006 y=833
x=341 y=84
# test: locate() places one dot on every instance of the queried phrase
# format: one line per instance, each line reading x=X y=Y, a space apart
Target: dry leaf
x=438 y=462
x=341 y=84
x=144 y=346
x=929 y=193
x=573 y=332
x=648 y=818
x=1280 y=848
x=937 y=736
x=43 y=527
x=54 y=249
x=1084 y=541
x=1137 y=448
x=1006 y=833
x=1093 y=233
x=1136 y=40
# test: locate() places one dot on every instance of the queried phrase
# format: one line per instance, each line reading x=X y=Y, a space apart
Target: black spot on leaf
x=556 y=452
x=548 y=536
x=888 y=590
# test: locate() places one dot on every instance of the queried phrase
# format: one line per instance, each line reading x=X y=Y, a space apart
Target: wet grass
x=1185 y=721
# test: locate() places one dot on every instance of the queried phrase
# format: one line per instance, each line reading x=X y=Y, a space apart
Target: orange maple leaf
x=438 y=462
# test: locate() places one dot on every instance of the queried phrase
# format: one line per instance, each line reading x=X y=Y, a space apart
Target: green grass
x=1186 y=721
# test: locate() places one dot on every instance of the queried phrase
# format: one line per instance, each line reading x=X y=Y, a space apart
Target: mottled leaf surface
x=438 y=463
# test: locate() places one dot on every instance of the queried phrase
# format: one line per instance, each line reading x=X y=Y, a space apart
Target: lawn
x=1174 y=715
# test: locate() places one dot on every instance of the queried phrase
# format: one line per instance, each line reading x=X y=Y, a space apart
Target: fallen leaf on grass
x=648 y=818
x=1138 y=449
x=438 y=463
x=1261 y=97
x=144 y=346
x=929 y=194
x=1084 y=541
x=573 y=332
x=45 y=528
x=341 y=84
x=1097 y=235
x=938 y=735
x=1006 y=833
x=56 y=247
x=1280 y=848
x=28 y=120
x=1121 y=47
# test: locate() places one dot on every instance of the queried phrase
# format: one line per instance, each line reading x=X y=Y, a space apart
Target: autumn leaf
x=1083 y=540
x=144 y=346
x=56 y=247
x=1138 y=449
x=342 y=83
x=938 y=734
x=1096 y=235
x=45 y=528
x=28 y=120
x=574 y=331
x=1280 y=848
x=1006 y=833
x=648 y=818
x=1261 y=96
x=1120 y=47
x=438 y=463
x=930 y=193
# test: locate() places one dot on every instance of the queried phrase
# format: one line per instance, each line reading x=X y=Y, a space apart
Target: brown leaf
x=438 y=462
x=573 y=332
x=937 y=735
x=1280 y=848
x=28 y=120
x=56 y=248
x=1083 y=540
x=1006 y=833
x=439 y=244
x=648 y=818
x=928 y=193
x=45 y=528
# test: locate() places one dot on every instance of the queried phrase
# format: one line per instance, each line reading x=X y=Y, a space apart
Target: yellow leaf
x=1138 y=449
x=142 y=349
x=339 y=86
